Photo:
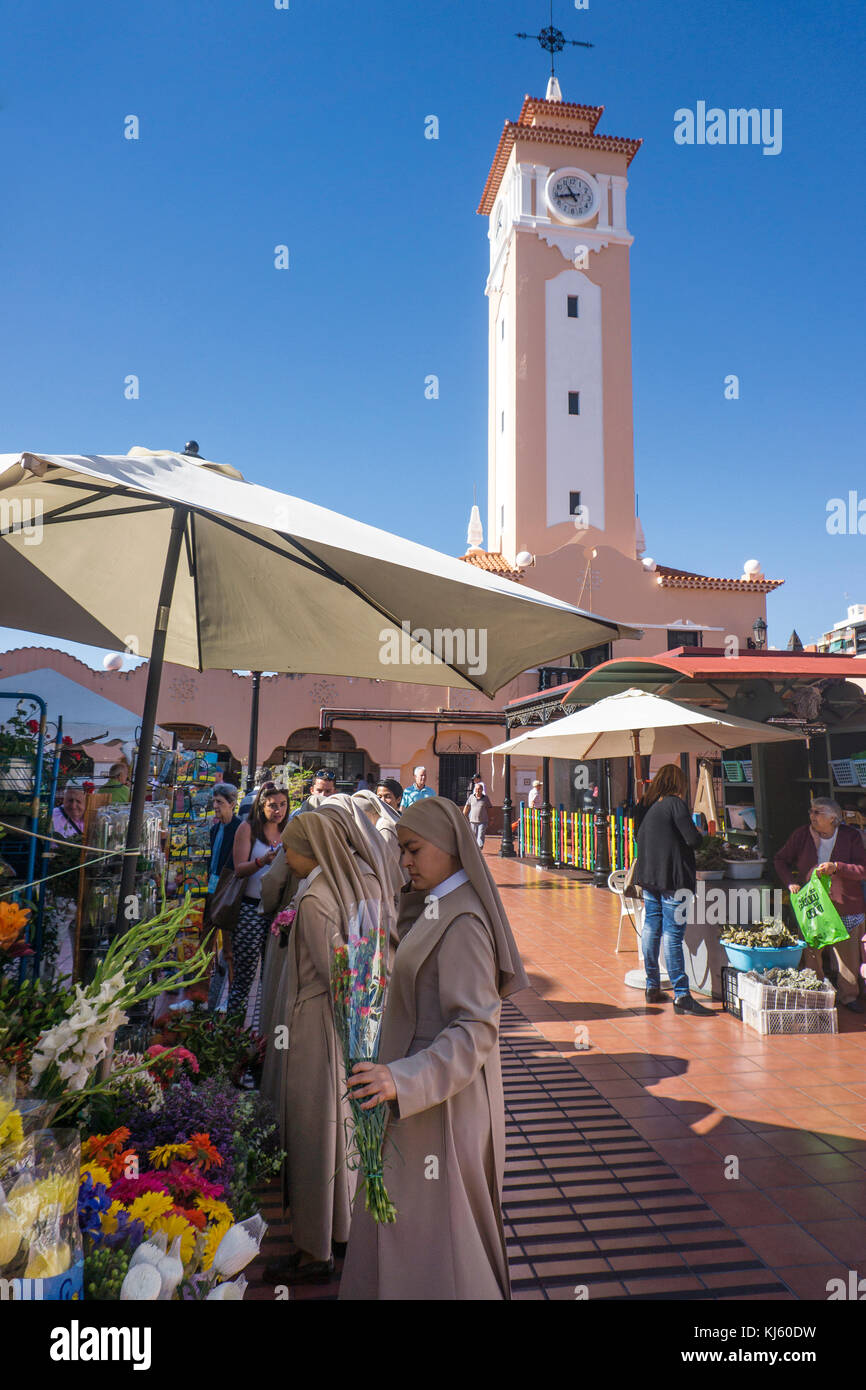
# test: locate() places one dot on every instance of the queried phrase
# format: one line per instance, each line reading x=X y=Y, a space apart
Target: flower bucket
x=16 y=775
x=764 y=957
x=745 y=868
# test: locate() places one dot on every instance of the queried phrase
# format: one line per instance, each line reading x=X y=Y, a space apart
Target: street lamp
x=758 y=640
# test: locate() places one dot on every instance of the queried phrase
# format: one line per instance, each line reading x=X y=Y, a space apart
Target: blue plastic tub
x=764 y=957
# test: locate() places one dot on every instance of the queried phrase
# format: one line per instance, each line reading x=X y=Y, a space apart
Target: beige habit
x=444 y=1155
x=305 y=1080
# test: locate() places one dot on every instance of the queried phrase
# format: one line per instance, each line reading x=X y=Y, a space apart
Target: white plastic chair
x=631 y=908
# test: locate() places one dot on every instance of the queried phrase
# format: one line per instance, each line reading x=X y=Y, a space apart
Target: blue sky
x=306 y=127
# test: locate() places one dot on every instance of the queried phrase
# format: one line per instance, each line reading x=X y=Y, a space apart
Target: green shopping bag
x=816 y=913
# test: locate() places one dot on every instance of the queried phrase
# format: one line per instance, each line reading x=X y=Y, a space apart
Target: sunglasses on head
x=324 y=774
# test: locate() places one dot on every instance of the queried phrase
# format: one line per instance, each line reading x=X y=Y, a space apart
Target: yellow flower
x=161 y=1156
x=11 y=1129
x=97 y=1173
x=173 y=1226
x=109 y=1218
x=10 y=1236
x=214 y=1236
x=149 y=1207
x=214 y=1211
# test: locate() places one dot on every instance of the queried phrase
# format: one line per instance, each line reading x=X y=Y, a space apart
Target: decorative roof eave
x=548 y=135
x=537 y=106
x=701 y=581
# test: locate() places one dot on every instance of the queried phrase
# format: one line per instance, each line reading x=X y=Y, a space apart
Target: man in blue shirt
x=418 y=790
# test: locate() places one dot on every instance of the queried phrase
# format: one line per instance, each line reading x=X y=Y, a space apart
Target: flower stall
x=124 y=1174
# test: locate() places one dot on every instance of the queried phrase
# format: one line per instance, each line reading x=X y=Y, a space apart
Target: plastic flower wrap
x=358 y=994
x=41 y=1201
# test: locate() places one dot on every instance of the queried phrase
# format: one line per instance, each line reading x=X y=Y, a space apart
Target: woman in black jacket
x=666 y=841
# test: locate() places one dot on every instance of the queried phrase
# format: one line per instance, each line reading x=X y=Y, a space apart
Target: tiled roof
x=491 y=561
x=535 y=106
x=549 y=135
x=686 y=579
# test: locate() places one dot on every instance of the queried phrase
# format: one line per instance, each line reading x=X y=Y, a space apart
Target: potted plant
x=17 y=751
x=743 y=862
x=710 y=858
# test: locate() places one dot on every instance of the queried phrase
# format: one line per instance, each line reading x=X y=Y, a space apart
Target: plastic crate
x=733 y=771
x=859 y=765
x=778 y=1021
x=731 y=1000
x=747 y=769
x=843 y=772
x=760 y=995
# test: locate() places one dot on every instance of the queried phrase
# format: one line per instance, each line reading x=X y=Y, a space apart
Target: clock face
x=571 y=196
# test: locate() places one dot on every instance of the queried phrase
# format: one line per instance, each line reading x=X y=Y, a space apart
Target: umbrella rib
x=702 y=733
x=73 y=515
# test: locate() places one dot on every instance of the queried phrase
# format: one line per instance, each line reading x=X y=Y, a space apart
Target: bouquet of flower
x=358 y=993
x=13 y=921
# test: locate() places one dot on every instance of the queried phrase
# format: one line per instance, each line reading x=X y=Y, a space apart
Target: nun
x=439 y=1072
x=304 y=1075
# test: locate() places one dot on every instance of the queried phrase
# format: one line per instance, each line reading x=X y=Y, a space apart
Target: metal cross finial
x=554 y=41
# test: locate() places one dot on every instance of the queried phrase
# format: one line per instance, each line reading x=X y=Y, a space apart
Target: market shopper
x=304 y=1076
x=439 y=1070
x=390 y=791
x=834 y=848
x=535 y=795
x=667 y=838
x=255 y=847
x=477 y=812
x=324 y=784
x=222 y=838
x=117 y=782
x=67 y=819
x=418 y=790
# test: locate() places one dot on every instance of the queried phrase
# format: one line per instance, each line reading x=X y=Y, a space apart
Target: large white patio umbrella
x=180 y=558
x=634 y=724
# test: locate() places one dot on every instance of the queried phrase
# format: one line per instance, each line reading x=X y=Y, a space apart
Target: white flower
x=147 y=1253
x=170 y=1270
x=142 y=1283
x=229 y=1291
x=239 y=1245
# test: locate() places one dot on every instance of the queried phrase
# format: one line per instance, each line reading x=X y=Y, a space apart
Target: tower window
x=502 y=423
x=502 y=328
x=574 y=402
x=573 y=503
x=502 y=518
x=573 y=306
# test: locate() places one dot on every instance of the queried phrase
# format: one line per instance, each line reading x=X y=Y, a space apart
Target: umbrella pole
x=546 y=856
x=506 y=843
x=602 y=854
x=638 y=765
x=148 y=722
x=252 y=760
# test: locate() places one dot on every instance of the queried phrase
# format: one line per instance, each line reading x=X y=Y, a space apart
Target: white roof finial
x=475 y=533
x=553 y=89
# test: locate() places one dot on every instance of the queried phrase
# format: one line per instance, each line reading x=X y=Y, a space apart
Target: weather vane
x=553 y=40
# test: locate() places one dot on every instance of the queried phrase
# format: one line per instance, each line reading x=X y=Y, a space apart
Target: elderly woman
x=439 y=1070
x=304 y=1074
x=838 y=850
x=67 y=819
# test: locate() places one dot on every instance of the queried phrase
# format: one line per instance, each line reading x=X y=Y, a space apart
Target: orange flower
x=118 y=1163
x=13 y=920
x=194 y=1217
x=203 y=1150
x=104 y=1148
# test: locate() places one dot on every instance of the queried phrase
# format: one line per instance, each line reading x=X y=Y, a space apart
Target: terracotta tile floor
x=619 y=1180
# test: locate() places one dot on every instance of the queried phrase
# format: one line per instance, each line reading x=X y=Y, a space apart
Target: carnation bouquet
x=358 y=993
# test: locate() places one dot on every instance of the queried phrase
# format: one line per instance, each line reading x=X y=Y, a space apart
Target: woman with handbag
x=667 y=838
x=255 y=847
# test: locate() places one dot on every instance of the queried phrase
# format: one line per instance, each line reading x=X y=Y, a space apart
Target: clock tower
x=560 y=446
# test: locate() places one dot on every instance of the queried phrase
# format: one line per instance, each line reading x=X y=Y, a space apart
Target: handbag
x=225 y=903
x=630 y=889
x=816 y=913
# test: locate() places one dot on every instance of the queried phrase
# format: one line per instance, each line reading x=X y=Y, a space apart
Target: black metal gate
x=455 y=775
